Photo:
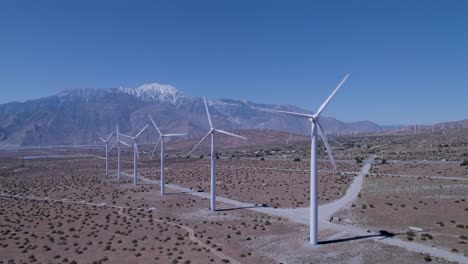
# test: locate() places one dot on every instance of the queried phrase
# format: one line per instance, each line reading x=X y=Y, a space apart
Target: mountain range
x=79 y=116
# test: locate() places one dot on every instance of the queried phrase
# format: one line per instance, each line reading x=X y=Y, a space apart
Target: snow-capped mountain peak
x=155 y=92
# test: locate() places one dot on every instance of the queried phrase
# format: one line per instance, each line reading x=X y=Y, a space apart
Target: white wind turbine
x=106 y=144
x=315 y=125
x=136 y=155
x=212 y=132
x=162 y=140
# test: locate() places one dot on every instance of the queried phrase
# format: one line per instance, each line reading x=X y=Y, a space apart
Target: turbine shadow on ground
x=237 y=208
x=382 y=233
x=182 y=192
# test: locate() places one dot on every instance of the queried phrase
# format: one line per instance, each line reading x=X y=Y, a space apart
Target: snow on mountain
x=154 y=92
x=79 y=116
x=83 y=94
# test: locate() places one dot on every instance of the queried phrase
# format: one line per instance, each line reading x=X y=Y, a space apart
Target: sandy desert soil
x=438 y=207
x=62 y=209
x=65 y=211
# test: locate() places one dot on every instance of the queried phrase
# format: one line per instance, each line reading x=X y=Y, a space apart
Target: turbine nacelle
x=161 y=135
x=314 y=118
x=212 y=130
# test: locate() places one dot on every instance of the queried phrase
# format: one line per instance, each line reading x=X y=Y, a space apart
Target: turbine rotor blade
x=322 y=107
x=199 y=142
x=175 y=135
x=327 y=146
x=128 y=145
x=207 y=112
x=230 y=134
x=155 y=126
x=287 y=112
x=127 y=136
x=103 y=140
x=155 y=147
x=111 y=134
x=112 y=147
x=141 y=131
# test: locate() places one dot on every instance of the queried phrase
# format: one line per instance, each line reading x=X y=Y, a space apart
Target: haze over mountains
x=79 y=116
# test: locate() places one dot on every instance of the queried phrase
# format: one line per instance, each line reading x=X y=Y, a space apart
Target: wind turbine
x=212 y=132
x=162 y=140
x=136 y=155
x=106 y=144
x=315 y=125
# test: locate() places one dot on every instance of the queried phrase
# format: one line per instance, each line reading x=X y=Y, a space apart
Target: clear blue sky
x=408 y=59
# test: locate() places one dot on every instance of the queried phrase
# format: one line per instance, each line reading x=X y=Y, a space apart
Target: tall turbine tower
x=118 y=153
x=212 y=132
x=136 y=155
x=315 y=125
x=162 y=140
x=106 y=144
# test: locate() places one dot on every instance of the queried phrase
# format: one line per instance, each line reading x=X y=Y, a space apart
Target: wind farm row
x=401 y=195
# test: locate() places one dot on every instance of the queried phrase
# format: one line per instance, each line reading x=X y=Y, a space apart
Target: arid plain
x=398 y=199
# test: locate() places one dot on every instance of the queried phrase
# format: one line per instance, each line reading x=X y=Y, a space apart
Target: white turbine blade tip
x=286 y=112
x=127 y=136
x=111 y=134
x=154 y=124
x=230 y=134
x=141 y=131
x=112 y=147
x=207 y=113
x=199 y=142
x=326 y=102
x=128 y=145
x=327 y=146
x=156 y=146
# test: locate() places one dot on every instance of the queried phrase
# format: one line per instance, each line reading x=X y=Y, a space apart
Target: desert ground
x=394 y=199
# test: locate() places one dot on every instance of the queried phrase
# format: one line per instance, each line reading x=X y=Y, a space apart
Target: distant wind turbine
x=136 y=155
x=162 y=140
x=212 y=132
x=106 y=144
x=315 y=125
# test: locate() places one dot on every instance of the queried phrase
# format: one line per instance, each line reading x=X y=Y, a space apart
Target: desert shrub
x=358 y=160
x=427 y=235
x=297 y=159
x=427 y=258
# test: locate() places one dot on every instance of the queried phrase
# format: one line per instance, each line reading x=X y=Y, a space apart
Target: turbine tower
x=118 y=152
x=162 y=140
x=106 y=144
x=136 y=155
x=315 y=125
x=212 y=132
